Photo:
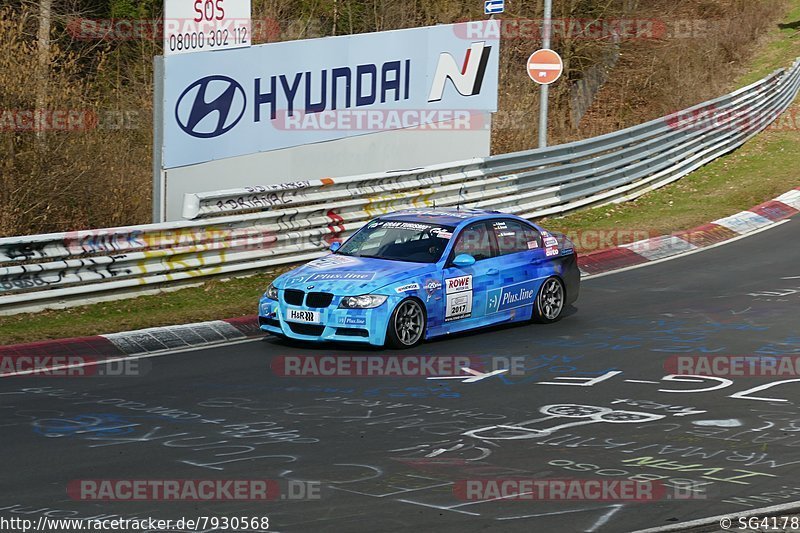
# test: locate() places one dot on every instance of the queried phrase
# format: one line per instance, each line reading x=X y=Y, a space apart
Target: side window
x=513 y=237
x=475 y=241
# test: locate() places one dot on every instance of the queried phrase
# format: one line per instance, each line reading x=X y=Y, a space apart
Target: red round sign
x=545 y=66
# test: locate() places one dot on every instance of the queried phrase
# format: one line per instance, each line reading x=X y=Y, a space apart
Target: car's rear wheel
x=406 y=325
x=549 y=303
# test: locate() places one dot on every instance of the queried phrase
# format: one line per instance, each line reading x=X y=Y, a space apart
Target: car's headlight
x=367 y=301
x=272 y=292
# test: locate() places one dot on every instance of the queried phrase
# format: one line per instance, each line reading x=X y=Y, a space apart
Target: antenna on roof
x=458 y=205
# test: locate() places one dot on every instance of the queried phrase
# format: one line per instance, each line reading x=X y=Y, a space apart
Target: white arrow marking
x=594 y=527
x=477 y=376
x=605 y=518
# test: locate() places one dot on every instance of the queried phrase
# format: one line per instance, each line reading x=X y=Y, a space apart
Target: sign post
x=545 y=90
x=544 y=67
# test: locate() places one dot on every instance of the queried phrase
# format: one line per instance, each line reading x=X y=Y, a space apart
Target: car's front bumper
x=365 y=326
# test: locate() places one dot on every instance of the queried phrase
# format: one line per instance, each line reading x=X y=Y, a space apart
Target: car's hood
x=350 y=276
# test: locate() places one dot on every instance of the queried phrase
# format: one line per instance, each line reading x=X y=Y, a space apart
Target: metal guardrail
x=245 y=230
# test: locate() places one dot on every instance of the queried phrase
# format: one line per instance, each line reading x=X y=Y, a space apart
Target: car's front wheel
x=549 y=302
x=406 y=325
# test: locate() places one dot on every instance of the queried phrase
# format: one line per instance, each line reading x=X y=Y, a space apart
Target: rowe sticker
x=458 y=304
x=462 y=283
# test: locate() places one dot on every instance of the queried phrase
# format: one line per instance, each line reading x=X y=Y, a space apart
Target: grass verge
x=759 y=171
x=213 y=300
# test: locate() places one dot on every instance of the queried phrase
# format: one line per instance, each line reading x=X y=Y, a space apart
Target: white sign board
x=280 y=95
x=202 y=25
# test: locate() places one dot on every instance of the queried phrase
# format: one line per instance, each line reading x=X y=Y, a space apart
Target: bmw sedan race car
x=421 y=273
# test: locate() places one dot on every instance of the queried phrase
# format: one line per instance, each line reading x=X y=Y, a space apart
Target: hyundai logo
x=210 y=106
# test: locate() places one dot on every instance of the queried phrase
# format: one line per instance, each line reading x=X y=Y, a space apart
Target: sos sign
x=208 y=10
x=205 y=25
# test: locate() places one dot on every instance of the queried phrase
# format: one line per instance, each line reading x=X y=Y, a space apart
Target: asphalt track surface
x=388 y=452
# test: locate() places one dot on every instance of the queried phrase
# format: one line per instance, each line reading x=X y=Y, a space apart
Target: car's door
x=465 y=288
x=523 y=261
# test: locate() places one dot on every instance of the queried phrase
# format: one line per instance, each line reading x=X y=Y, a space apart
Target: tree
x=43 y=60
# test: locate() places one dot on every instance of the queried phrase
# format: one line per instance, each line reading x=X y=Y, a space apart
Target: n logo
x=468 y=79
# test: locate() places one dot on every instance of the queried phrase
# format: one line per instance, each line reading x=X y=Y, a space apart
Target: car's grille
x=313 y=330
x=262 y=321
x=352 y=332
x=319 y=299
x=293 y=297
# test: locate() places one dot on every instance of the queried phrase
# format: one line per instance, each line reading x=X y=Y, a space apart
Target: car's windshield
x=396 y=240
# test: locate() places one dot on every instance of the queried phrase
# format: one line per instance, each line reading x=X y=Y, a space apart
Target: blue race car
x=421 y=273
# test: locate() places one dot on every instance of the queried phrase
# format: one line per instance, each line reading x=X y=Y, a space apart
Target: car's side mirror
x=463 y=260
x=335 y=245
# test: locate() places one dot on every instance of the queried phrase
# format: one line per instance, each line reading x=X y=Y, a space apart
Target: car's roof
x=445 y=216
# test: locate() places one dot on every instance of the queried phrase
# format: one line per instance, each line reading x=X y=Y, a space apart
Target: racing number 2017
x=459 y=309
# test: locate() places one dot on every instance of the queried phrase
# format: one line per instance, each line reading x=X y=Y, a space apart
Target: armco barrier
x=249 y=229
x=614 y=167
